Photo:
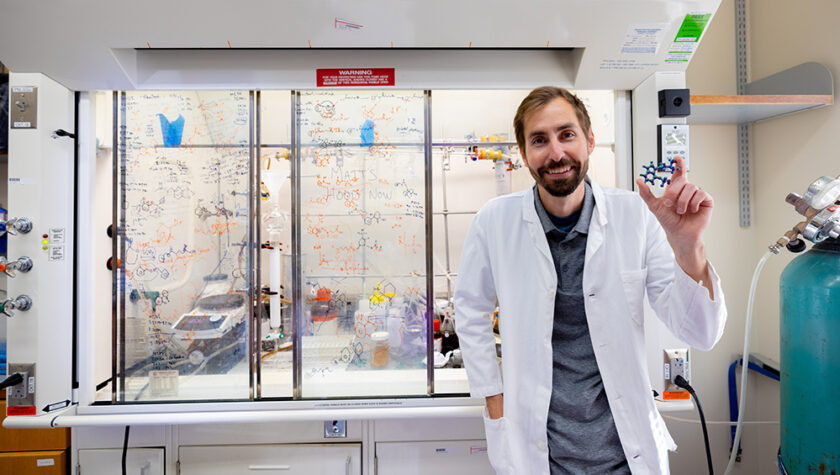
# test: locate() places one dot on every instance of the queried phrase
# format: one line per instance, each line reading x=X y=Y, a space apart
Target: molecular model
x=650 y=175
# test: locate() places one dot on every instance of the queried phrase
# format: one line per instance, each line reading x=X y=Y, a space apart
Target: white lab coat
x=506 y=257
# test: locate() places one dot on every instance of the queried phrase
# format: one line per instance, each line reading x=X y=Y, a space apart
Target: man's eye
x=568 y=135
x=537 y=141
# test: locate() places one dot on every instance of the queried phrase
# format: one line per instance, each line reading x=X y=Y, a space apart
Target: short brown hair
x=541 y=96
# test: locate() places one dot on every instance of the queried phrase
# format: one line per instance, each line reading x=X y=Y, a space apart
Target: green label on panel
x=692 y=27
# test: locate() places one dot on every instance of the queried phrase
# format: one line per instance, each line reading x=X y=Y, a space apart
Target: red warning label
x=357 y=77
x=20 y=410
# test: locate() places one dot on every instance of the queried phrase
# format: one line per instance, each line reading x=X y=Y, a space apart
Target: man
x=569 y=263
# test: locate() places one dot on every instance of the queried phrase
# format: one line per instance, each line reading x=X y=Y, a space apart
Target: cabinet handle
x=347 y=465
x=269 y=467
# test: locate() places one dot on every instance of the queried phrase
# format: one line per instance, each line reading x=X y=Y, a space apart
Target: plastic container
x=395 y=331
x=324 y=316
x=414 y=343
x=379 y=348
x=810 y=361
x=438 y=336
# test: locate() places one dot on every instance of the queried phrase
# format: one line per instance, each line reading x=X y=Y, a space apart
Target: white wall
x=787 y=154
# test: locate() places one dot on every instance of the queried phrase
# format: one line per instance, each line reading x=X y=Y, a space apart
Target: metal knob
x=17 y=225
x=22 y=303
x=23 y=264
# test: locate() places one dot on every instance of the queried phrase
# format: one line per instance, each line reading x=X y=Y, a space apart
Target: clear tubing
x=274 y=285
x=744 y=360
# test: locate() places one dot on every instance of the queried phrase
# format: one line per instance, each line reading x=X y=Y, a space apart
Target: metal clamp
x=22 y=303
x=16 y=225
x=23 y=264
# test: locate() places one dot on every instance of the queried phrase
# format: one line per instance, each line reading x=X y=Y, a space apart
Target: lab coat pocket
x=634 y=292
x=497 y=444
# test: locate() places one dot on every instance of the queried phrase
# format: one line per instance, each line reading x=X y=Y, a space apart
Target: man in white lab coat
x=569 y=263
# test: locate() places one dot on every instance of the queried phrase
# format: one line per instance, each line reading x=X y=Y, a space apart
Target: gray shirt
x=582 y=437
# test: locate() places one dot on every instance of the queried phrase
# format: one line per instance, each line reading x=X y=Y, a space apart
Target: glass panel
x=276 y=338
x=185 y=167
x=363 y=243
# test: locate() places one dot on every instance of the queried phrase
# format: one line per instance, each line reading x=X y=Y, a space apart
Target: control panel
x=673 y=142
x=38 y=306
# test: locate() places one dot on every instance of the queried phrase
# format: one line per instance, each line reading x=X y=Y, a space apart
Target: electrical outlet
x=675 y=363
x=23 y=393
x=335 y=429
x=19 y=390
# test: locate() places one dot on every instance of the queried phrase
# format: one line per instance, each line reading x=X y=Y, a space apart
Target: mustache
x=564 y=162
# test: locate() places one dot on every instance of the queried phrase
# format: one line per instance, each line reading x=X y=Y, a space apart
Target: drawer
x=445 y=457
x=16 y=440
x=108 y=461
x=285 y=459
x=53 y=462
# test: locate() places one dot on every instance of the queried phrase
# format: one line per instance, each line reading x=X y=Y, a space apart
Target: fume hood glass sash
x=361 y=250
x=185 y=212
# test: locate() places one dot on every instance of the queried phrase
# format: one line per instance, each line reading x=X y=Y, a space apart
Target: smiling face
x=556 y=147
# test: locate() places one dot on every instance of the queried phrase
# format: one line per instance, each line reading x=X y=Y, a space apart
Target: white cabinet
x=287 y=459
x=452 y=457
x=109 y=461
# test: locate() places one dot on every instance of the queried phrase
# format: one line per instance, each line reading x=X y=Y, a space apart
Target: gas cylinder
x=810 y=361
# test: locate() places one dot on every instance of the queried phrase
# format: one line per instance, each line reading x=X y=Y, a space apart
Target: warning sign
x=20 y=411
x=358 y=77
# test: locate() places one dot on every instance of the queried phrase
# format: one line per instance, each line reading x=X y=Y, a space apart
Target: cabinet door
x=291 y=459
x=451 y=457
x=109 y=461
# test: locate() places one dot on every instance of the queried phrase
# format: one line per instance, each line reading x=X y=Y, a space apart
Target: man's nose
x=557 y=152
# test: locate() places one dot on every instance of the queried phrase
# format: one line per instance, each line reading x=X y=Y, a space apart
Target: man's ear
x=591 y=141
x=522 y=154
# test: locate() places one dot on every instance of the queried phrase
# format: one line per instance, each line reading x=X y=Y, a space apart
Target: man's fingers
x=689 y=190
x=694 y=205
x=673 y=192
x=645 y=193
x=680 y=172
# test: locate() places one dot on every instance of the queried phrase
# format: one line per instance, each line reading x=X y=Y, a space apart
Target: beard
x=563 y=186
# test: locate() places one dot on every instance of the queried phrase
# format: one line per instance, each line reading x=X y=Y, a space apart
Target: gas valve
x=24 y=264
x=16 y=225
x=22 y=303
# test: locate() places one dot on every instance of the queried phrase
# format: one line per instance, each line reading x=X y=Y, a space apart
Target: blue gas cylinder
x=810 y=361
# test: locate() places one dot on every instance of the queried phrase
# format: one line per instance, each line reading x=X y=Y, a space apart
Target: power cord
x=681 y=382
x=125 y=449
x=12 y=380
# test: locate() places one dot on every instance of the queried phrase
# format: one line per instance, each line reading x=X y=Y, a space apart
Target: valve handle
x=22 y=303
x=16 y=225
x=23 y=264
x=6 y=309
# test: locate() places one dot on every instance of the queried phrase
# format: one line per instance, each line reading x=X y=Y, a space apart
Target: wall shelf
x=804 y=87
x=752 y=108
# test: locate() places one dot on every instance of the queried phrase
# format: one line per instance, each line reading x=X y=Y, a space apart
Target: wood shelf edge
x=763 y=99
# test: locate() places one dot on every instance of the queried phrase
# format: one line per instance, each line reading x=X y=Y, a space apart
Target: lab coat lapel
x=535 y=229
x=595 y=254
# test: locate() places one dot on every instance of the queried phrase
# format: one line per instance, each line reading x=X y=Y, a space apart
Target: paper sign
x=692 y=27
x=643 y=39
x=687 y=37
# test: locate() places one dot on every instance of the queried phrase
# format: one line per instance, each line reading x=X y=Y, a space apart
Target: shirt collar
x=582 y=226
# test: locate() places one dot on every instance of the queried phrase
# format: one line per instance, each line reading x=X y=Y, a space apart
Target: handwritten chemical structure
x=363 y=233
x=184 y=162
